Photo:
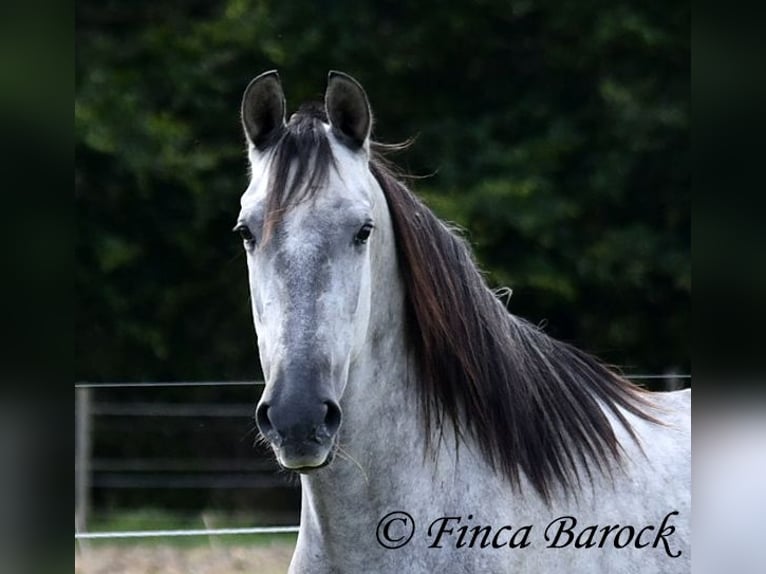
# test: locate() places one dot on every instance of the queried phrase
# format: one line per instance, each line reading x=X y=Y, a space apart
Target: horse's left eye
x=363 y=234
x=244 y=232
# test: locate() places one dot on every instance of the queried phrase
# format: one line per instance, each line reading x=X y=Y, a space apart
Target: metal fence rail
x=134 y=385
x=175 y=533
x=167 y=384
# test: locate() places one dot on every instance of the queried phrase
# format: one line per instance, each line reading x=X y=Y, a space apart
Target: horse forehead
x=306 y=230
x=348 y=181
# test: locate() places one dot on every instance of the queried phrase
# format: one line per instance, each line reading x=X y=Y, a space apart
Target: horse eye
x=363 y=234
x=244 y=232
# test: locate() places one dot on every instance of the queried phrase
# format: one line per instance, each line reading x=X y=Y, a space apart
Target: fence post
x=82 y=458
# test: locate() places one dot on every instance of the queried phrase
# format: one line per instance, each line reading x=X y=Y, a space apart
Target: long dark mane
x=533 y=405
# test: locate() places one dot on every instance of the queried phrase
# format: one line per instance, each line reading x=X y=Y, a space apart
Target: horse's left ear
x=348 y=110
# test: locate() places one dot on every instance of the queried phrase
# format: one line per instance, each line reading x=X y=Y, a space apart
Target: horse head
x=308 y=221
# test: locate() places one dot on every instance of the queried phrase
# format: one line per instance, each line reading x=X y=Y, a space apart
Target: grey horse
x=433 y=430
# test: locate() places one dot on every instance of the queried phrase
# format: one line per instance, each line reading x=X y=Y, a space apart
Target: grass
x=229 y=554
x=164 y=559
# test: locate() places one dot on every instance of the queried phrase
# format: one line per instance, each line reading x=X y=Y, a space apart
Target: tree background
x=556 y=133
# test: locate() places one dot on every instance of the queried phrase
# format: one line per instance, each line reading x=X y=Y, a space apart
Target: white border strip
x=165 y=533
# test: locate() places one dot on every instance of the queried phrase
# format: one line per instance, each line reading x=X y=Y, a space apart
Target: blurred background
x=555 y=133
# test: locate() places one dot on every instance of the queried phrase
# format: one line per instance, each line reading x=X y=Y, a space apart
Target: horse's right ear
x=263 y=109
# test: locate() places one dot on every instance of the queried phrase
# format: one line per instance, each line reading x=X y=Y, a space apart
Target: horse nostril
x=332 y=417
x=262 y=419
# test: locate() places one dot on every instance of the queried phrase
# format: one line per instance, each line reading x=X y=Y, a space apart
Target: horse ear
x=263 y=109
x=348 y=109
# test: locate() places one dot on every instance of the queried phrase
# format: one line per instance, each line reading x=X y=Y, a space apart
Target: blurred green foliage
x=556 y=134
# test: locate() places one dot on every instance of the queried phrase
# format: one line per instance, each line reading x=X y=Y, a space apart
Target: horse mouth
x=311 y=469
x=305 y=460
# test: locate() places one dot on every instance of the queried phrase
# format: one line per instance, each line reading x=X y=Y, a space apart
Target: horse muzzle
x=303 y=437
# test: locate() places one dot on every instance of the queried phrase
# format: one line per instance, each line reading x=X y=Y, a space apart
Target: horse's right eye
x=244 y=233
